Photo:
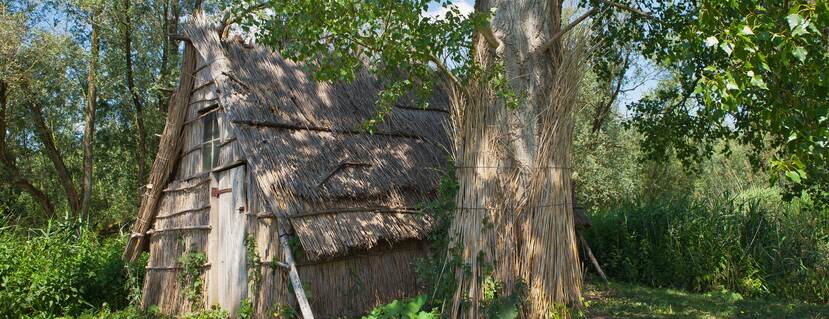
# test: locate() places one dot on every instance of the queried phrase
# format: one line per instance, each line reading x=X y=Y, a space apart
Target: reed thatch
x=350 y=197
x=306 y=149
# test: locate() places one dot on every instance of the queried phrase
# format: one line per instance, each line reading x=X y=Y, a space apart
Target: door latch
x=215 y=192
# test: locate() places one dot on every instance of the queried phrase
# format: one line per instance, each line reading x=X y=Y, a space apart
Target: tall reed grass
x=754 y=244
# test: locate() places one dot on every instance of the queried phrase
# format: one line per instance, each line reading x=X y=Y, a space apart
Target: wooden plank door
x=227 y=277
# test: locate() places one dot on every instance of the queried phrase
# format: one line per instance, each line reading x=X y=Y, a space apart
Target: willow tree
x=513 y=70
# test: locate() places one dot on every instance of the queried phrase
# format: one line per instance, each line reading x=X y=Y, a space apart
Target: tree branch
x=601 y=112
x=628 y=9
x=442 y=67
x=547 y=45
x=12 y=172
x=490 y=37
x=229 y=19
x=45 y=135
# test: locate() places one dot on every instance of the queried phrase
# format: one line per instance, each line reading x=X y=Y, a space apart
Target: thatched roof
x=340 y=187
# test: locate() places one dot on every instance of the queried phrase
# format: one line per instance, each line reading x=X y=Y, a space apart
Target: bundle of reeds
x=549 y=261
x=514 y=219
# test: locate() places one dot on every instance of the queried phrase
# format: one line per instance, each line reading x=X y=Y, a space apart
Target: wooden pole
x=592 y=258
x=304 y=306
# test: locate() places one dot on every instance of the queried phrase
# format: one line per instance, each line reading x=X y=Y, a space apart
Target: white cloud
x=464 y=6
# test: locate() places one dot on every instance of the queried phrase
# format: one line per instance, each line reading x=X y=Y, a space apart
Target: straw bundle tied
x=549 y=257
x=514 y=203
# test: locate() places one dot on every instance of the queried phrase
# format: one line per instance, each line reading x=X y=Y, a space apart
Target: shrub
x=751 y=244
x=59 y=270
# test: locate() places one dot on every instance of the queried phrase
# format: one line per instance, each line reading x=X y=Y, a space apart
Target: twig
x=442 y=67
x=628 y=8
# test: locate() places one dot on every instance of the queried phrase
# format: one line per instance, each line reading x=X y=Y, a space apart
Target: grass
x=631 y=301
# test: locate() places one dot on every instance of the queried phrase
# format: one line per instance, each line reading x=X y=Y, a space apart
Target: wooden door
x=227 y=277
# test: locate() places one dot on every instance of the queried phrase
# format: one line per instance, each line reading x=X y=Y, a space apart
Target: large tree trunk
x=514 y=212
x=89 y=119
x=11 y=171
x=141 y=147
x=169 y=55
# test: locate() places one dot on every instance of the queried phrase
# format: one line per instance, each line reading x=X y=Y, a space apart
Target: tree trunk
x=163 y=98
x=89 y=119
x=141 y=147
x=169 y=57
x=52 y=152
x=514 y=212
x=11 y=171
x=45 y=135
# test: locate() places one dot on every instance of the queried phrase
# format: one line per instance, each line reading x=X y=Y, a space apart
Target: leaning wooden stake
x=164 y=164
x=592 y=258
x=304 y=306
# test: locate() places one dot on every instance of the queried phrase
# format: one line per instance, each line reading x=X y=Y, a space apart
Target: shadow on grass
x=630 y=301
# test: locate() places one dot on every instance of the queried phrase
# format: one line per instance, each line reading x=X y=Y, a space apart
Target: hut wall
x=179 y=229
x=351 y=286
x=182 y=225
x=268 y=283
x=344 y=287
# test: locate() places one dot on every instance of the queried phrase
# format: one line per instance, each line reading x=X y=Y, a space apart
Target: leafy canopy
x=754 y=71
x=392 y=40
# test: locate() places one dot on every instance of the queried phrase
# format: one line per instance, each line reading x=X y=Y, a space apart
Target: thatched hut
x=256 y=156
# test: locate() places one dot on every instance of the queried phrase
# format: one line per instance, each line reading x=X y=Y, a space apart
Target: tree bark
x=89 y=118
x=514 y=212
x=141 y=146
x=45 y=135
x=12 y=172
x=162 y=98
x=169 y=56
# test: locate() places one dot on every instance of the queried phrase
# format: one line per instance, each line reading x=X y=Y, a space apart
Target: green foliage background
x=60 y=270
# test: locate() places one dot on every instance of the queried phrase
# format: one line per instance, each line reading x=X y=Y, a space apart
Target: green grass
x=630 y=301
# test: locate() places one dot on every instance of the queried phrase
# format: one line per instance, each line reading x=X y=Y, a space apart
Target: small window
x=210 y=141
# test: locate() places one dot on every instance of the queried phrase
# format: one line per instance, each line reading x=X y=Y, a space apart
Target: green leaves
x=800 y=53
x=750 y=71
x=794 y=20
x=393 y=40
x=405 y=309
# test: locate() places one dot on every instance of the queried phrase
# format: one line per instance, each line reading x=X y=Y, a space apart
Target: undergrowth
x=62 y=270
x=751 y=244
